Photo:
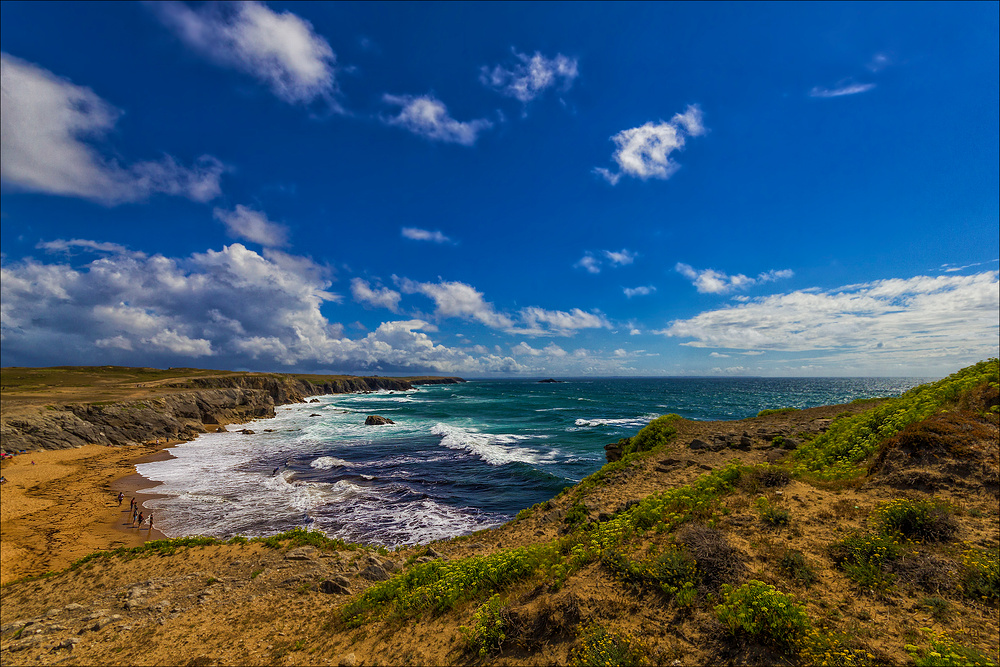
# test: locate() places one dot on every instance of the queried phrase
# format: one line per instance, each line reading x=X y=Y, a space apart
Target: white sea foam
x=628 y=421
x=327 y=462
x=496 y=450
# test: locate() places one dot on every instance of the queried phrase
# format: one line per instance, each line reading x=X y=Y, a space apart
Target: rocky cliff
x=209 y=403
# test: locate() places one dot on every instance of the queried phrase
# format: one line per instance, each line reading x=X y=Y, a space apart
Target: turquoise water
x=458 y=458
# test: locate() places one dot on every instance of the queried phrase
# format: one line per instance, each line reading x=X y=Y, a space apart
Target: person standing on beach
x=121 y=497
x=141 y=519
x=151 y=521
x=135 y=513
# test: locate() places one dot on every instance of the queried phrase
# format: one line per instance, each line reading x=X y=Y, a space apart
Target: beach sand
x=58 y=506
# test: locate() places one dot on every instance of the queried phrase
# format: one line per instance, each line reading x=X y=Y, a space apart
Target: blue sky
x=502 y=189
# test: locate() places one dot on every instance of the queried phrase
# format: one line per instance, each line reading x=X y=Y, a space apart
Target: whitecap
x=495 y=450
x=327 y=462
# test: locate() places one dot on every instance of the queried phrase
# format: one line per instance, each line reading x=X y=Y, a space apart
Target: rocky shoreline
x=210 y=403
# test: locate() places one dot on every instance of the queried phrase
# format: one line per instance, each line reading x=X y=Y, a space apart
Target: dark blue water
x=458 y=458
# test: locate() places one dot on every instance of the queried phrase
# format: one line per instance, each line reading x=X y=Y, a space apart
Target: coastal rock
x=349 y=660
x=697 y=443
x=303 y=553
x=338 y=585
x=314 y=400
x=551 y=381
x=376 y=420
x=247 y=431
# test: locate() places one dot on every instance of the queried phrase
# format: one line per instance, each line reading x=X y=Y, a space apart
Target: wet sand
x=58 y=506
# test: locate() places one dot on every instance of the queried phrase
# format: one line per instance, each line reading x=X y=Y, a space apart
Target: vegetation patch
x=439 y=585
x=771 y=515
x=946 y=652
x=980 y=579
x=837 y=453
x=863 y=558
x=819 y=647
x=601 y=647
x=776 y=411
x=674 y=573
x=489 y=627
x=762 y=613
x=920 y=520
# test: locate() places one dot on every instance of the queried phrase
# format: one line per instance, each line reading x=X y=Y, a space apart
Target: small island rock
x=375 y=420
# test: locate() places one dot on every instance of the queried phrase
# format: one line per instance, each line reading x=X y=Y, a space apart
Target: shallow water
x=459 y=458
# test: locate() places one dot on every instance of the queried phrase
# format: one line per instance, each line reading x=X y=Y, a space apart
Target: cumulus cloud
x=841 y=89
x=530 y=76
x=417 y=234
x=428 y=117
x=949 y=319
x=592 y=263
x=710 y=281
x=250 y=225
x=381 y=297
x=644 y=152
x=280 y=50
x=642 y=290
x=237 y=306
x=50 y=130
x=457 y=299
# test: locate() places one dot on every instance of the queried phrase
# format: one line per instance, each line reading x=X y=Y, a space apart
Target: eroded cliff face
x=182 y=415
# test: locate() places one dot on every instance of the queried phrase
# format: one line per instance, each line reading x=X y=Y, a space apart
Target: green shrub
x=771 y=515
x=776 y=411
x=674 y=572
x=946 y=652
x=439 y=585
x=489 y=627
x=981 y=575
x=763 y=613
x=922 y=520
x=837 y=452
x=608 y=648
x=657 y=433
x=863 y=556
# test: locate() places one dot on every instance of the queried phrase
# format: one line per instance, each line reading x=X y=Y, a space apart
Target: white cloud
x=642 y=290
x=540 y=322
x=947 y=319
x=634 y=332
x=417 y=234
x=456 y=299
x=719 y=355
x=281 y=50
x=67 y=247
x=381 y=297
x=238 y=306
x=841 y=89
x=531 y=76
x=879 y=62
x=644 y=152
x=248 y=224
x=49 y=130
x=590 y=262
x=710 y=281
x=427 y=116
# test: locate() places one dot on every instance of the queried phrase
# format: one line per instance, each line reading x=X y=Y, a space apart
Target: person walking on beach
x=151 y=521
x=141 y=519
x=135 y=513
x=121 y=497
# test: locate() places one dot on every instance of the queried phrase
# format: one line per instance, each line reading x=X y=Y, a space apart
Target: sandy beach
x=58 y=506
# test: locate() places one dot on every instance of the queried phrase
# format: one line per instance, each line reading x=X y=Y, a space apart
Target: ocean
x=459 y=458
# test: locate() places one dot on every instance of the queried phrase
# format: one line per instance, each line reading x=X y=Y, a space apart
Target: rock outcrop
x=208 y=404
x=376 y=420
